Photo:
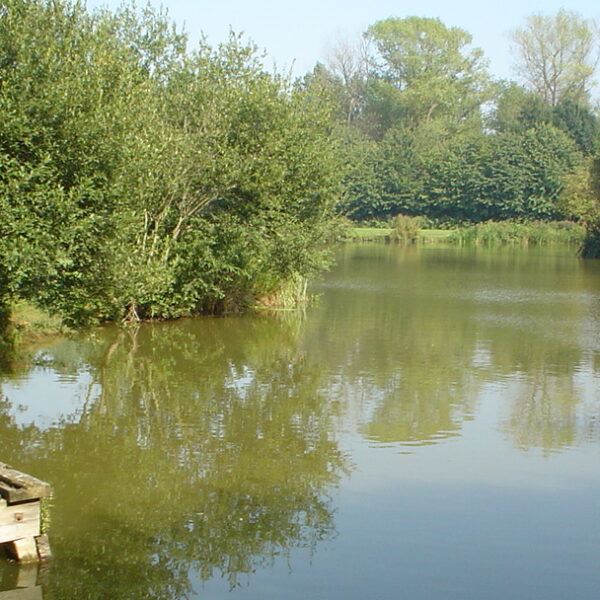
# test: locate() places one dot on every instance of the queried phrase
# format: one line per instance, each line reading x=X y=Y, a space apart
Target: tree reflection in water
x=202 y=446
x=208 y=447
x=416 y=336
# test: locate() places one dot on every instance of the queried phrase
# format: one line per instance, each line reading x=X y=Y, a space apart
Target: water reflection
x=201 y=446
x=416 y=335
x=549 y=413
x=211 y=448
x=20 y=582
x=407 y=355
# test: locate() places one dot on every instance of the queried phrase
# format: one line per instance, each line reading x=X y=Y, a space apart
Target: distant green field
x=505 y=232
x=368 y=234
x=434 y=235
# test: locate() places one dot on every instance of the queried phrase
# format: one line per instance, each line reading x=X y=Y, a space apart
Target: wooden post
x=20 y=515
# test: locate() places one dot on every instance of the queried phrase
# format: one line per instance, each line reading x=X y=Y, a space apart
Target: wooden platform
x=20 y=514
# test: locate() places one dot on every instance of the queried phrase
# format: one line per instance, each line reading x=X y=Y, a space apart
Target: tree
x=504 y=176
x=430 y=67
x=347 y=63
x=578 y=122
x=557 y=55
x=517 y=109
x=141 y=180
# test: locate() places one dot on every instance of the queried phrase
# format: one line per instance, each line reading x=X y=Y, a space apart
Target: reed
x=514 y=233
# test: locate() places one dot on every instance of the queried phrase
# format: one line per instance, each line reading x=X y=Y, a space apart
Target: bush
x=406 y=229
x=140 y=180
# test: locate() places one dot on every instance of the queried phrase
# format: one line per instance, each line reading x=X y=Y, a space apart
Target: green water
x=429 y=429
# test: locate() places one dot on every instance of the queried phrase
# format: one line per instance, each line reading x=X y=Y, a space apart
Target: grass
x=372 y=234
x=434 y=235
x=488 y=233
x=512 y=233
x=30 y=321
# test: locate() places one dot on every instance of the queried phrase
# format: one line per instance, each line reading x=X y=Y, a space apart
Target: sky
x=295 y=35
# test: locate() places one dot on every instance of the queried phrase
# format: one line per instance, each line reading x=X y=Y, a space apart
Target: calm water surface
x=430 y=429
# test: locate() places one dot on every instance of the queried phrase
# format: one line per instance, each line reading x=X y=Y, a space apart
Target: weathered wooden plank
x=43 y=547
x=19 y=521
x=34 y=593
x=19 y=487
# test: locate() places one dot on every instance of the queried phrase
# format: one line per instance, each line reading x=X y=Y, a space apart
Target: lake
x=428 y=428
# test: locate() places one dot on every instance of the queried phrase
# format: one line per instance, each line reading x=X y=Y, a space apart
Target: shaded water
x=430 y=429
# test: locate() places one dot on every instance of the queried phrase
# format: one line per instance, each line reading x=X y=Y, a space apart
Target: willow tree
x=74 y=87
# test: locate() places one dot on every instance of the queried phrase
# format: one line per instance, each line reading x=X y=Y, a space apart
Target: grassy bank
x=506 y=232
x=29 y=323
x=428 y=236
x=367 y=234
x=28 y=327
x=372 y=234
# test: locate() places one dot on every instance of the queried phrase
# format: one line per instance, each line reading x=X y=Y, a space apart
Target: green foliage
x=367 y=234
x=579 y=123
x=590 y=248
x=424 y=71
x=433 y=145
x=406 y=229
x=511 y=232
x=140 y=180
x=464 y=178
x=501 y=177
x=518 y=110
x=557 y=55
x=579 y=197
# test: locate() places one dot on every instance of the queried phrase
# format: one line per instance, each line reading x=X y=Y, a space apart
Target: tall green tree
x=580 y=123
x=430 y=69
x=518 y=109
x=71 y=90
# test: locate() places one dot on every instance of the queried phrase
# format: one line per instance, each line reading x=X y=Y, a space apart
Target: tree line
x=429 y=132
x=141 y=178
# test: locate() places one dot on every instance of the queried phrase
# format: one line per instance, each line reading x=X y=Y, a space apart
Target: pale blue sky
x=298 y=33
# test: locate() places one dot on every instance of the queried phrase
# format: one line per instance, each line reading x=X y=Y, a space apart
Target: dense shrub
x=140 y=180
x=472 y=178
x=406 y=229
